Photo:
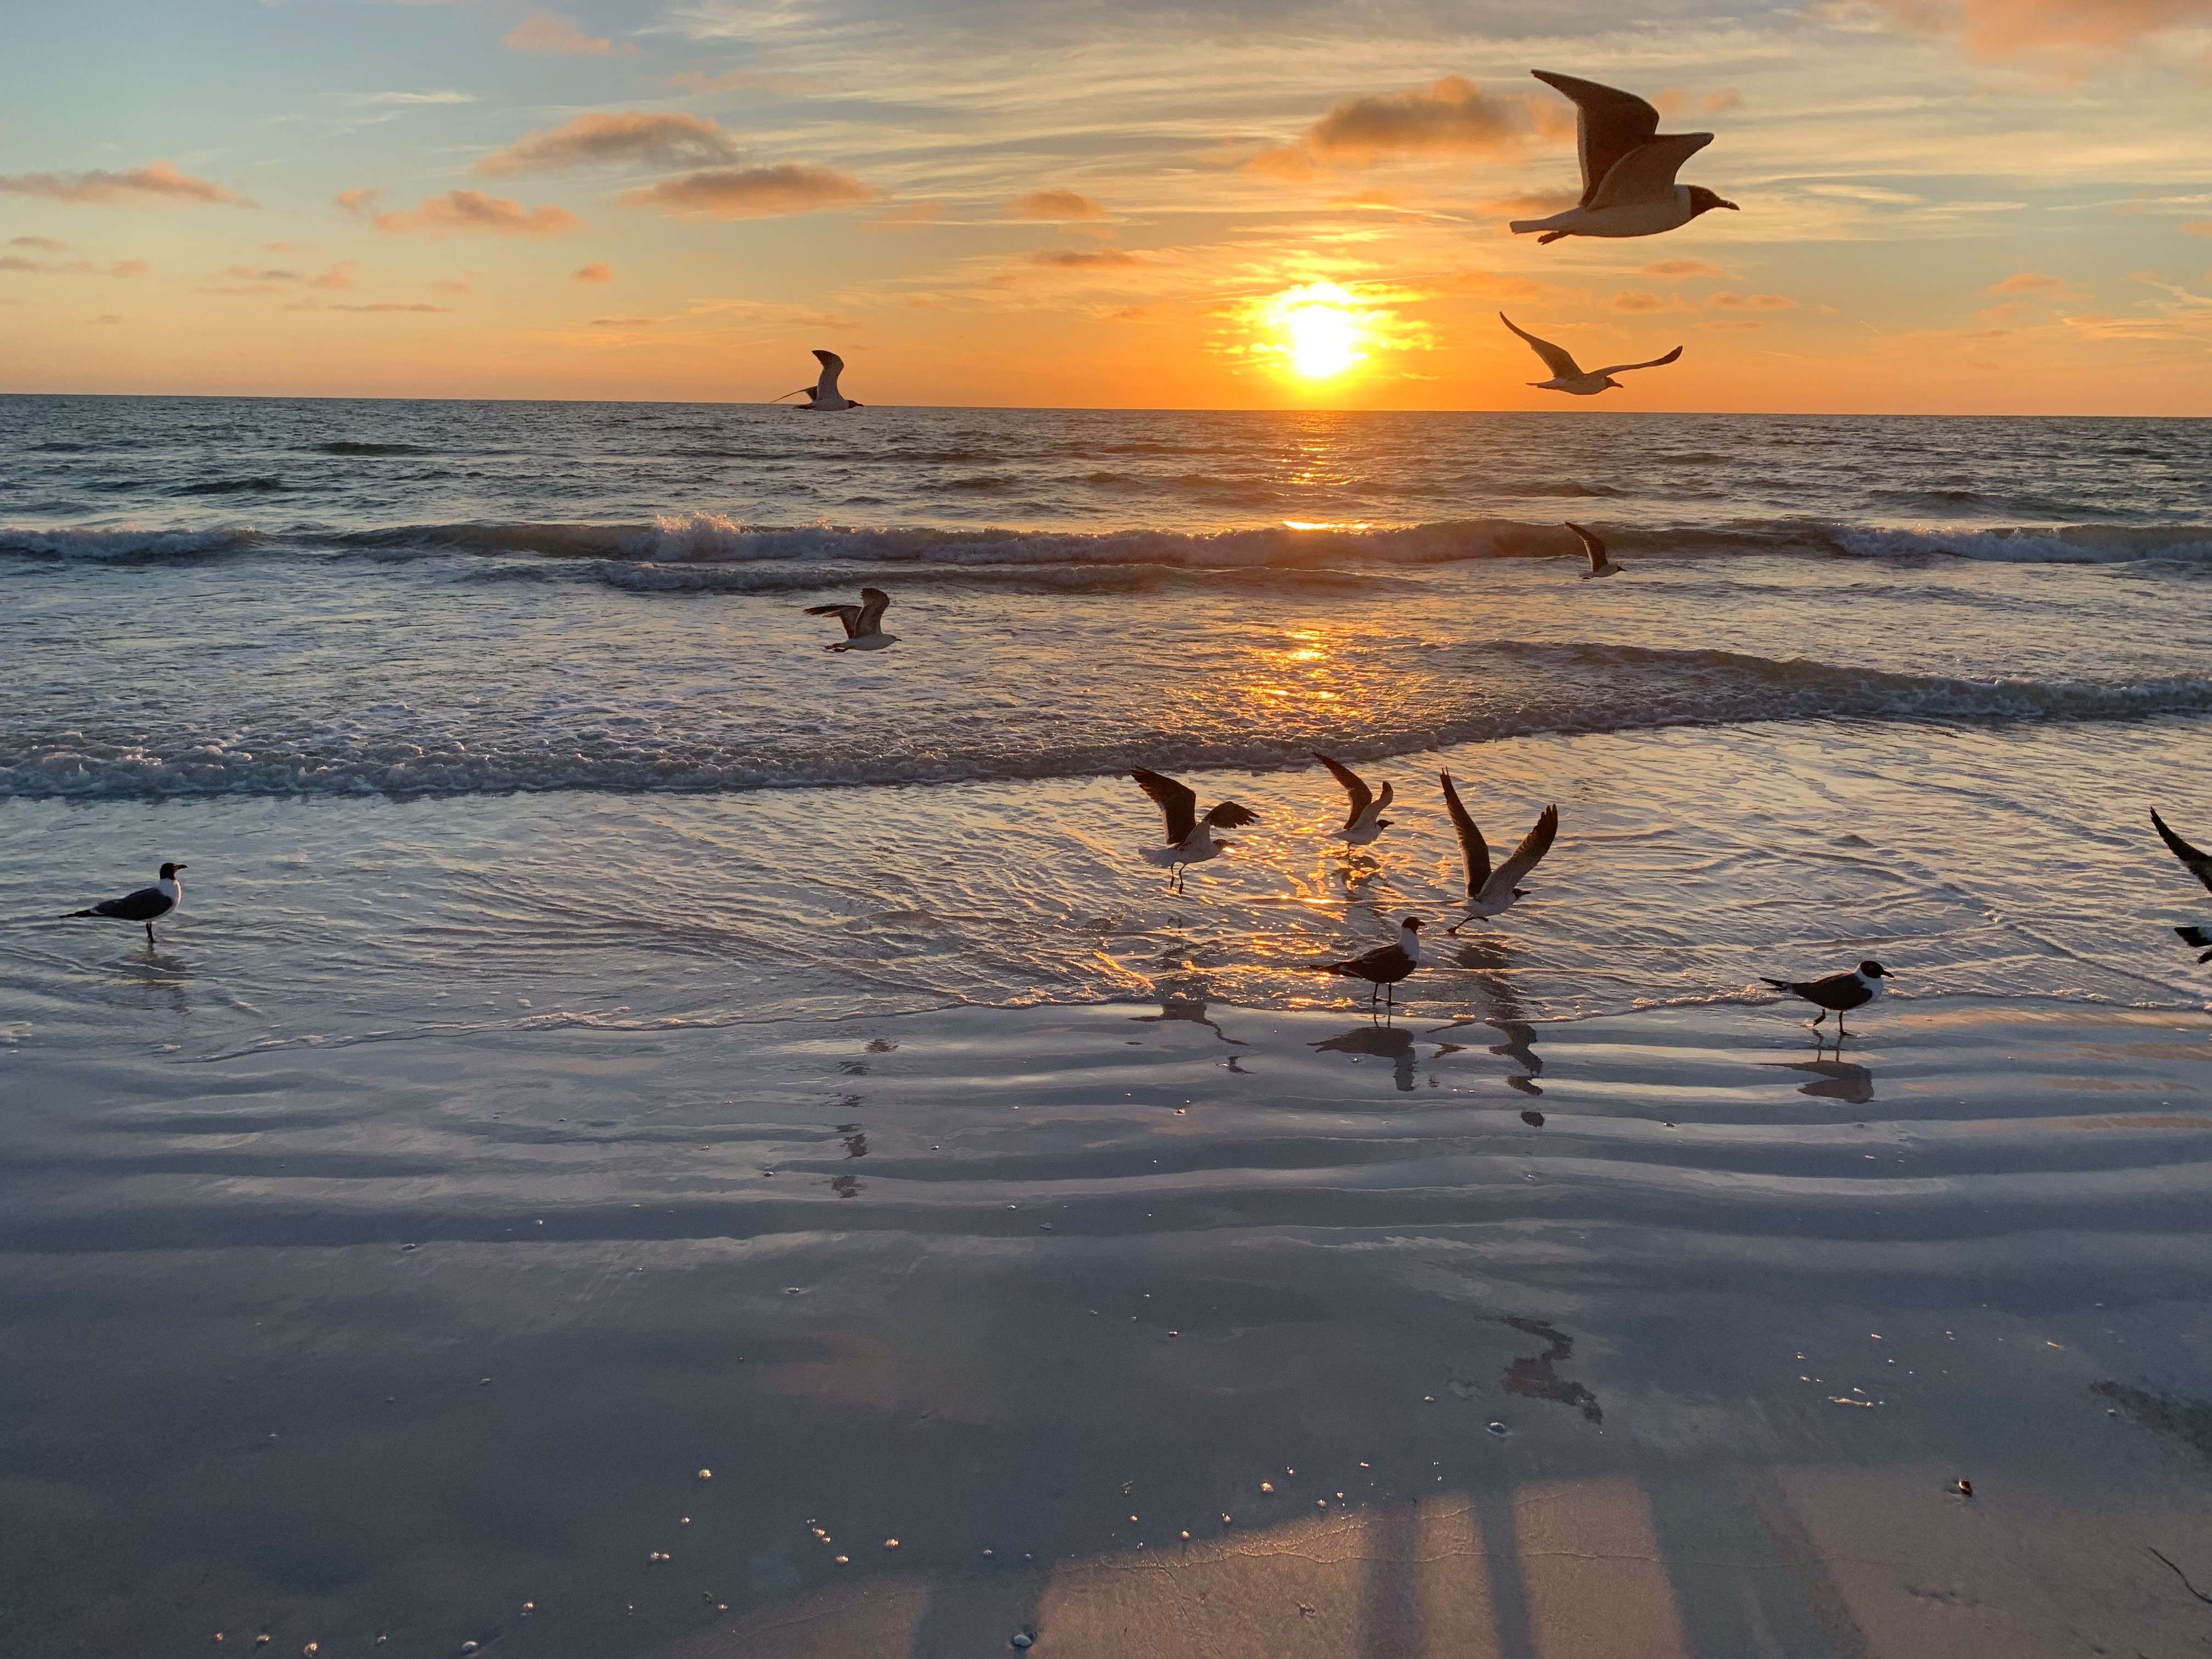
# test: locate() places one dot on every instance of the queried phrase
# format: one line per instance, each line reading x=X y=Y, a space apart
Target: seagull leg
x=149 y=935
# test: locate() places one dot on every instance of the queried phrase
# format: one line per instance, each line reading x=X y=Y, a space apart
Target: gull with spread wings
x=1491 y=892
x=823 y=393
x=1189 y=837
x=1364 y=821
x=1570 y=376
x=2198 y=863
x=1601 y=563
x=1628 y=168
x=864 y=622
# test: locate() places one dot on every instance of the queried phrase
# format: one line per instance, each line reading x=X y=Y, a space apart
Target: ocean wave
x=347 y=447
x=1553 y=689
x=714 y=539
x=256 y=485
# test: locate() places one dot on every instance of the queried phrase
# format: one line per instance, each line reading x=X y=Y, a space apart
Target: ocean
x=607 y=1035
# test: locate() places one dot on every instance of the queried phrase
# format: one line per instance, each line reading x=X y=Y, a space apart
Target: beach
x=606 y=1038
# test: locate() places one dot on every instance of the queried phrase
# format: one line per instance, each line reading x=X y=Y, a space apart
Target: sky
x=1948 y=206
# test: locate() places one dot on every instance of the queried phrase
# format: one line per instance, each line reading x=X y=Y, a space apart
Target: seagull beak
x=1730 y=206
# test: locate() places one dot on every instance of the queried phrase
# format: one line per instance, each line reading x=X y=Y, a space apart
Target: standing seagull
x=823 y=394
x=1839 y=994
x=1628 y=168
x=864 y=622
x=147 y=904
x=1602 y=563
x=1190 y=837
x=2198 y=863
x=1492 y=893
x=1365 y=820
x=1570 y=376
x=1383 y=966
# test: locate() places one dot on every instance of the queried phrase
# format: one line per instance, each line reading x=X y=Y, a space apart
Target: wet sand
x=1645 y=1335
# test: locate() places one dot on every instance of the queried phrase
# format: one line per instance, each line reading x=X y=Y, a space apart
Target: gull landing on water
x=147 y=904
x=1365 y=821
x=864 y=622
x=1839 y=994
x=1189 y=837
x=1491 y=892
x=2198 y=863
x=1385 y=967
x=1570 y=376
x=1628 y=168
x=1601 y=563
x=823 y=393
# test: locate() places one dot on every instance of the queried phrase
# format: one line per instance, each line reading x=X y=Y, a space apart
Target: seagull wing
x=1529 y=855
x=873 y=602
x=1178 y=805
x=1611 y=124
x=1591 y=544
x=1647 y=172
x=1354 y=786
x=1228 y=815
x=143 y=905
x=832 y=367
x=1470 y=840
x=2197 y=862
x=847 y=614
x=1383 y=801
x=1555 y=358
x=1656 y=362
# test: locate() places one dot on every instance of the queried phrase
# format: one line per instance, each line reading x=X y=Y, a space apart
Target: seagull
x=1190 y=837
x=1601 y=563
x=1491 y=892
x=1628 y=168
x=864 y=622
x=2198 y=863
x=1384 y=966
x=1570 y=376
x=1836 y=994
x=147 y=904
x=823 y=394
x=1365 y=820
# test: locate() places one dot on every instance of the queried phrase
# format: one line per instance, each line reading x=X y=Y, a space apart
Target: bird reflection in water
x=1507 y=1016
x=1382 y=1042
x=856 y=1139
x=1177 y=1008
x=845 y=1186
x=1834 y=1079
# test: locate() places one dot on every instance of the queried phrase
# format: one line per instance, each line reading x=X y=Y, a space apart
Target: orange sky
x=1998 y=206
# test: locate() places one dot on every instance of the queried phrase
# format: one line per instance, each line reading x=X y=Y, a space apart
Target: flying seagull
x=1190 y=837
x=1383 y=966
x=823 y=394
x=1839 y=994
x=2198 y=863
x=1628 y=168
x=1570 y=376
x=1491 y=892
x=1601 y=563
x=1364 y=821
x=864 y=622
x=147 y=904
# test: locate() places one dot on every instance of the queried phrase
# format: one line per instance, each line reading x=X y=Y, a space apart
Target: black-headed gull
x=1628 y=168
x=1491 y=892
x=1570 y=376
x=864 y=622
x=823 y=393
x=1189 y=837
x=2198 y=863
x=1601 y=563
x=1385 y=966
x=148 y=905
x=1839 y=994
x=1364 y=821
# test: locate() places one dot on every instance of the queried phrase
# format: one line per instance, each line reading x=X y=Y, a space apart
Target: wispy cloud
x=597 y=272
x=1053 y=205
x=339 y=276
x=668 y=140
x=17 y=262
x=545 y=31
x=1448 y=116
x=153 y=184
x=761 y=193
x=47 y=243
x=2059 y=31
x=462 y=211
x=408 y=100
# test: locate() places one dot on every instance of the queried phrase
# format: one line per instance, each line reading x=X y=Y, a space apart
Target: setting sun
x=1317 y=330
x=1323 y=341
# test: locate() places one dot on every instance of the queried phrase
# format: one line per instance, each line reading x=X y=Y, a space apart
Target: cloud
x=463 y=210
x=597 y=272
x=1683 y=268
x=1727 y=302
x=1721 y=102
x=408 y=99
x=392 y=305
x=743 y=81
x=753 y=192
x=1085 y=258
x=49 y=245
x=16 y=262
x=1995 y=31
x=1636 y=299
x=1055 y=205
x=542 y=31
x=1449 y=116
x=453 y=285
x=339 y=276
x=154 y=183
x=106 y=319
x=909 y=215
x=670 y=140
x=1873 y=193
x=2029 y=281
x=1538 y=202
x=2195 y=228
x=623 y=322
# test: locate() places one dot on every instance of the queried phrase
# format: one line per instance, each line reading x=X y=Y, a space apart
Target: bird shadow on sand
x=1832 y=1079
x=1377 y=1042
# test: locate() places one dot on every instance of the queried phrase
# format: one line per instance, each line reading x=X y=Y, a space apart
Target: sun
x=1317 y=330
